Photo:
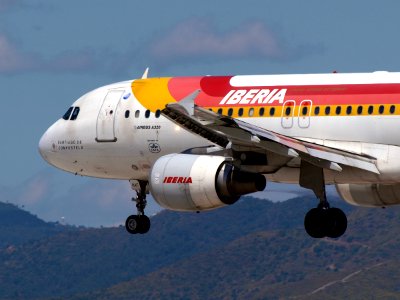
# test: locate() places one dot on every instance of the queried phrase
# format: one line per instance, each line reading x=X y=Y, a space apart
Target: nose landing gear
x=139 y=223
x=322 y=221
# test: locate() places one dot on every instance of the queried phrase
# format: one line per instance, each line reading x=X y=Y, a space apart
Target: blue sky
x=51 y=52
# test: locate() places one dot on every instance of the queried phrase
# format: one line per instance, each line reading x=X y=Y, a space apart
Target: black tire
x=314 y=223
x=132 y=224
x=144 y=222
x=337 y=223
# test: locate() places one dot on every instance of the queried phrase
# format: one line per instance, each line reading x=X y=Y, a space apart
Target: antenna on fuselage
x=146 y=72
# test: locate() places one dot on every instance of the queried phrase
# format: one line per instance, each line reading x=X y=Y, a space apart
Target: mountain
x=18 y=226
x=282 y=264
x=56 y=196
x=88 y=259
x=254 y=249
x=75 y=200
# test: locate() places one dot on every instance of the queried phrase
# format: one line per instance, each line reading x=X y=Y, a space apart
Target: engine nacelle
x=370 y=194
x=189 y=182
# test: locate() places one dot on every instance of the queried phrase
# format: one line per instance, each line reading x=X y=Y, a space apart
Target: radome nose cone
x=43 y=146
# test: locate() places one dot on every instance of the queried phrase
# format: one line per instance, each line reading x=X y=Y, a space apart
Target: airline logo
x=177 y=179
x=254 y=96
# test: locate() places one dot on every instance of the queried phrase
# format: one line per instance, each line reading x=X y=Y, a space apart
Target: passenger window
x=370 y=110
x=304 y=110
x=220 y=111
x=349 y=110
x=68 y=113
x=137 y=114
x=359 y=110
x=240 y=113
x=381 y=109
x=230 y=112
x=158 y=113
x=251 y=112
x=338 y=110
x=327 y=110
x=75 y=113
x=147 y=113
x=261 y=112
x=392 y=109
x=316 y=111
x=287 y=111
x=272 y=111
x=127 y=113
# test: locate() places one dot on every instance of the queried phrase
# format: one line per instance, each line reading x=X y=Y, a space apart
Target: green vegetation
x=254 y=249
x=18 y=226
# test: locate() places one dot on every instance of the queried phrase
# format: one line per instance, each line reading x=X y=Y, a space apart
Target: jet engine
x=187 y=182
x=370 y=194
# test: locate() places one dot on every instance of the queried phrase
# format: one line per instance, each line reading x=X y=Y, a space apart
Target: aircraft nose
x=42 y=146
x=45 y=145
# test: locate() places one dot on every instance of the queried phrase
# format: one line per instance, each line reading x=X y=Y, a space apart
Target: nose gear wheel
x=139 y=223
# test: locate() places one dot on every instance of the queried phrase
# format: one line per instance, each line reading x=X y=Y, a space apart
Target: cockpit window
x=68 y=113
x=75 y=113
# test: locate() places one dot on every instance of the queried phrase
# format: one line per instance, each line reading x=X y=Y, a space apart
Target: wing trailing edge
x=227 y=132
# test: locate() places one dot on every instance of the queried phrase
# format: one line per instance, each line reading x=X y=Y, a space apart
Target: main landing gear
x=325 y=221
x=322 y=221
x=139 y=223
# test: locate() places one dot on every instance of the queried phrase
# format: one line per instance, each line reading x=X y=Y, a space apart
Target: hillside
x=88 y=259
x=272 y=264
x=254 y=249
x=18 y=226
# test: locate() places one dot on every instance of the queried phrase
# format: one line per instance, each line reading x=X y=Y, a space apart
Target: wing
x=227 y=132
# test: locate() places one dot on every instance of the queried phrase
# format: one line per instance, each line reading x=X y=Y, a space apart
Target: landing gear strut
x=322 y=221
x=139 y=223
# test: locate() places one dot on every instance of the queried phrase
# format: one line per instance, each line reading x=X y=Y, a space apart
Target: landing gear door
x=304 y=113
x=106 y=119
x=288 y=113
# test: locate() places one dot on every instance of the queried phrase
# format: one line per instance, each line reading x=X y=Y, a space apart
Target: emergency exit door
x=288 y=113
x=304 y=113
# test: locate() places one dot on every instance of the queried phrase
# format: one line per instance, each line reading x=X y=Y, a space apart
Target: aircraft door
x=106 y=118
x=288 y=113
x=304 y=113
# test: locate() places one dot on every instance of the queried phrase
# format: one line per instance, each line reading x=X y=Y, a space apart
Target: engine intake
x=189 y=182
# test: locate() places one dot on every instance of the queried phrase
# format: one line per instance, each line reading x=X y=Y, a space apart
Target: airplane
x=200 y=143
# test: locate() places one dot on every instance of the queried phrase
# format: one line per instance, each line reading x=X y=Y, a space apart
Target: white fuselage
x=119 y=139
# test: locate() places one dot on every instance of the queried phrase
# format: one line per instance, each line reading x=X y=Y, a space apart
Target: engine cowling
x=187 y=182
x=370 y=194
